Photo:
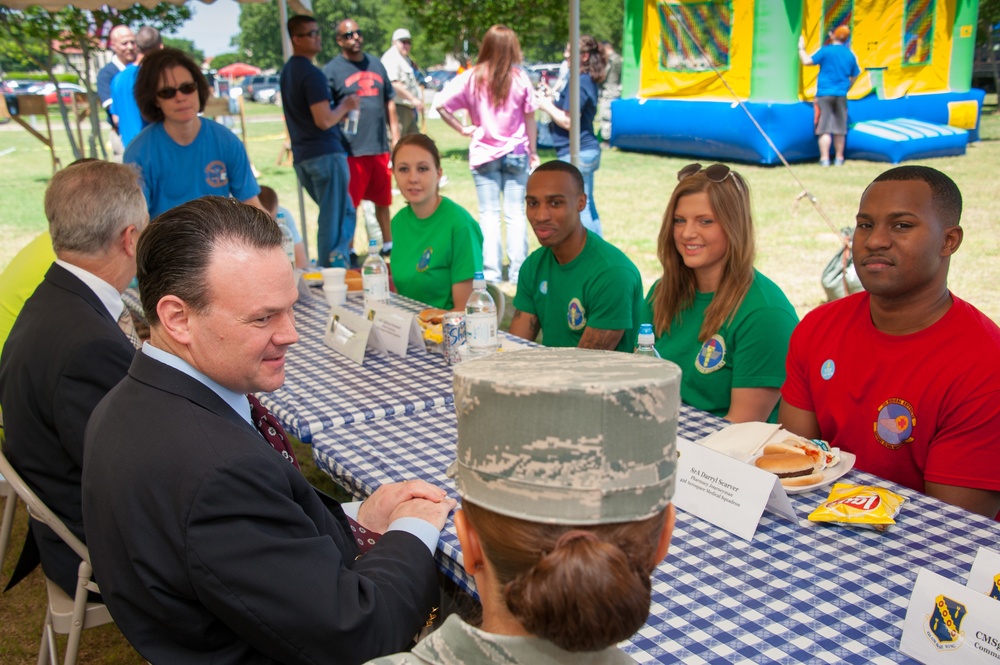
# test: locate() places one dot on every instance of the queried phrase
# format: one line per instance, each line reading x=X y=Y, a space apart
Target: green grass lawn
x=631 y=190
x=794 y=244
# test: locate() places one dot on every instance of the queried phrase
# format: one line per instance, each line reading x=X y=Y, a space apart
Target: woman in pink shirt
x=498 y=97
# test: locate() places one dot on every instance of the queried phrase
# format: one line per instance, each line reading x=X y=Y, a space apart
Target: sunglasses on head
x=311 y=33
x=350 y=34
x=188 y=88
x=715 y=173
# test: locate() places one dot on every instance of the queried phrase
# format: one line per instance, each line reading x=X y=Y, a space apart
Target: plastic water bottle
x=375 y=277
x=481 y=319
x=287 y=239
x=350 y=123
x=646 y=340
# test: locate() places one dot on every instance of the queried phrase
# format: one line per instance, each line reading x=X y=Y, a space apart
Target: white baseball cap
x=401 y=33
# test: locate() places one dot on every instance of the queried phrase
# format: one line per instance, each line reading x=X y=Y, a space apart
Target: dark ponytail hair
x=583 y=589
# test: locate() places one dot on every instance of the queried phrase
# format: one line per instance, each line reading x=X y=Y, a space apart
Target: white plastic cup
x=333 y=275
x=336 y=294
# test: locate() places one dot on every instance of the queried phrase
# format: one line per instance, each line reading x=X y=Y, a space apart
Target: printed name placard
x=347 y=333
x=395 y=329
x=950 y=623
x=985 y=574
x=726 y=492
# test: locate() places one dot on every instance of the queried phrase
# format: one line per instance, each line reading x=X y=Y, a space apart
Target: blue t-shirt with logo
x=837 y=65
x=214 y=164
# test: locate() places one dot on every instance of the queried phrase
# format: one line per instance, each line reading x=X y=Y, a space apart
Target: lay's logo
x=860 y=502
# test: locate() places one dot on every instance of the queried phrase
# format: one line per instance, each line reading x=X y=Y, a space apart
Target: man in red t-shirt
x=904 y=375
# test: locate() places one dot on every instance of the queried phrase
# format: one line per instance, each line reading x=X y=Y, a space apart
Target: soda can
x=453 y=332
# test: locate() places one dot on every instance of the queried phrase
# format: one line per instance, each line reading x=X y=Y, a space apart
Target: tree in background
x=224 y=60
x=439 y=27
x=187 y=46
x=43 y=37
x=986 y=36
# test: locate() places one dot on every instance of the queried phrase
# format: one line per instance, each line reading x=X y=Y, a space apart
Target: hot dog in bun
x=792 y=469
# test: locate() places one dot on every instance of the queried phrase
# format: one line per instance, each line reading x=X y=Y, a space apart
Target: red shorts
x=370 y=179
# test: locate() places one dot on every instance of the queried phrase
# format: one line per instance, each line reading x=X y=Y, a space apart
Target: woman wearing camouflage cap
x=565 y=465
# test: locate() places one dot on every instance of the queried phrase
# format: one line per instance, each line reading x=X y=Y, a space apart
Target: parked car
x=437 y=79
x=255 y=87
x=546 y=73
x=66 y=90
x=22 y=87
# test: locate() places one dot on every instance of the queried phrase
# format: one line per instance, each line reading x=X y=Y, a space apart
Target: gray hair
x=90 y=203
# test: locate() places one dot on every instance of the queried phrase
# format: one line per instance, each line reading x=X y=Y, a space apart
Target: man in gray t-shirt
x=355 y=72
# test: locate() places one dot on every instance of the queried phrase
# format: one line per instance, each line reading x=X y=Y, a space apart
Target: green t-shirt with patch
x=747 y=352
x=600 y=288
x=430 y=255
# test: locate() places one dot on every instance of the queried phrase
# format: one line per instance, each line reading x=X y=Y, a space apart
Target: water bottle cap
x=372 y=243
x=645 y=328
x=478 y=275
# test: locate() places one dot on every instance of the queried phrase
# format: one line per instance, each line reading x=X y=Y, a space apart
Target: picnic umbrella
x=238 y=69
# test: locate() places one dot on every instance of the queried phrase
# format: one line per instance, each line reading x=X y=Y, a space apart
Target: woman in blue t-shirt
x=592 y=70
x=726 y=325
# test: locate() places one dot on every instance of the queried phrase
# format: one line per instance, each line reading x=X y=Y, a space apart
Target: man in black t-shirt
x=355 y=72
x=317 y=143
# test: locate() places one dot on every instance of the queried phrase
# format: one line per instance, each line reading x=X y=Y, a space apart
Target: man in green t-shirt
x=577 y=289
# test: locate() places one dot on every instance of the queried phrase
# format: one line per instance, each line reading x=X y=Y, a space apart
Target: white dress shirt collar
x=236 y=401
x=107 y=294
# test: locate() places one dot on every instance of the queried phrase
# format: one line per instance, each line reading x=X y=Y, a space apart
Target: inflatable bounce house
x=695 y=71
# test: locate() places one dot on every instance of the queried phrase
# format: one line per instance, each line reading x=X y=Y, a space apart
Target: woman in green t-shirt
x=437 y=245
x=724 y=323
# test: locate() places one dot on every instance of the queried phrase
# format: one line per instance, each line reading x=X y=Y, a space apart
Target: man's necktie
x=271 y=429
x=128 y=327
x=274 y=434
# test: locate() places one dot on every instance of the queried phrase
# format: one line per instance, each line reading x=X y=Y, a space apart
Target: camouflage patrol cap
x=567 y=436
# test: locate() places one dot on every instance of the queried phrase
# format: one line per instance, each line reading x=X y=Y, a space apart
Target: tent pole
x=574 y=82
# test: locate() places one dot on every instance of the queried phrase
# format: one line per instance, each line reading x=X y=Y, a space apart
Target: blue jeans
x=590 y=161
x=326 y=179
x=508 y=175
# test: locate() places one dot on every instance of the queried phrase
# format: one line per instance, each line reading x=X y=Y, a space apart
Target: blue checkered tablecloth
x=798 y=593
x=323 y=389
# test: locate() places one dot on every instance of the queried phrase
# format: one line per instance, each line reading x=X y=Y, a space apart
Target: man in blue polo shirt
x=317 y=144
x=838 y=69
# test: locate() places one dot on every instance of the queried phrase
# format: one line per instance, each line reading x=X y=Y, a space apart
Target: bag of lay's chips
x=859 y=505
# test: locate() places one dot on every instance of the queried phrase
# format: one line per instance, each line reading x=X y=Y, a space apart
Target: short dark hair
x=421 y=141
x=148 y=39
x=298 y=22
x=148 y=81
x=268 y=198
x=175 y=249
x=945 y=195
x=560 y=166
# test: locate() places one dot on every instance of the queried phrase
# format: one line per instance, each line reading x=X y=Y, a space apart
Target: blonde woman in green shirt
x=437 y=245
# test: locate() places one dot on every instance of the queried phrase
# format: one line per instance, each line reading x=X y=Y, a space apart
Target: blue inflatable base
x=901 y=139
x=722 y=130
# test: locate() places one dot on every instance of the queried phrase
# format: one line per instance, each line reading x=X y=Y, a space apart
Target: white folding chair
x=10 y=504
x=65 y=615
x=498 y=299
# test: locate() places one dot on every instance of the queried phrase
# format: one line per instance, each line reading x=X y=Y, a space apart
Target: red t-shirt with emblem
x=917 y=407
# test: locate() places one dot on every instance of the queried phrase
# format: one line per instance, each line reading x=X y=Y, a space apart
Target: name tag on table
x=949 y=623
x=726 y=492
x=985 y=574
x=347 y=333
x=394 y=330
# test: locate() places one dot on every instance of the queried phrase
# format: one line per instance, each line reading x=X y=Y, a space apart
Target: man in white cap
x=402 y=73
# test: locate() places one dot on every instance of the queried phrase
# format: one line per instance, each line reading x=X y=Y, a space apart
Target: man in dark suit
x=210 y=546
x=66 y=350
